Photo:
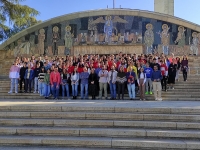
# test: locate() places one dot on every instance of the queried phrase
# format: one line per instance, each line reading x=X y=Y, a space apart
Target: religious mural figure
x=194 y=45
x=108 y=25
x=91 y=37
x=149 y=38
x=32 y=44
x=96 y=37
x=181 y=36
x=55 y=39
x=41 y=38
x=68 y=40
x=23 y=47
x=165 y=39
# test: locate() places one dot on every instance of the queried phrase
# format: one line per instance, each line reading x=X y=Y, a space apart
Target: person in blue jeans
x=47 y=84
x=112 y=76
x=65 y=79
x=55 y=80
x=74 y=83
x=130 y=75
x=29 y=76
x=84 y=83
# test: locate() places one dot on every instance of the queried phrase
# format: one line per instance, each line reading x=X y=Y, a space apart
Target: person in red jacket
x=55 y=82
x=164 y=72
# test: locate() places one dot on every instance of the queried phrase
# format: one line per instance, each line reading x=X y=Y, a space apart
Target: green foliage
x=18 y=16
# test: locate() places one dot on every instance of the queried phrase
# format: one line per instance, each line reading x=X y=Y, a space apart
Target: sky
x=185 y=9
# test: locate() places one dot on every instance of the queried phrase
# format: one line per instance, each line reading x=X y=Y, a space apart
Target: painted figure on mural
x=23 y=47
x=165 y=39
x=41 y=38
x=181 y=36
x=194 y=45
x=108 y=27
x=32 y=44
x=55 y=39
x=149 y=38
x=91 y=37
x=96 y=37
x=68 y=40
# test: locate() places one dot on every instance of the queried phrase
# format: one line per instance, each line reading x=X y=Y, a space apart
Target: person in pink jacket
x=14 y=76
x=55 y=82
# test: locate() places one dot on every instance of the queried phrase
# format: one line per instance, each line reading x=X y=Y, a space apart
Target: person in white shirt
x=141 y=83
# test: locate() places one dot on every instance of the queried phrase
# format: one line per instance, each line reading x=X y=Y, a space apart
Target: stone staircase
x=103 y=125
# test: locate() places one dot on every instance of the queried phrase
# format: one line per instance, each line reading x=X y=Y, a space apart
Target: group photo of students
x=107 y=77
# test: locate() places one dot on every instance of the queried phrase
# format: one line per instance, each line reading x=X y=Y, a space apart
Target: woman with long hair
x=141 y=83
x=75 y=83
x=172 y=73
x=178 y=60
x=184 y=67
x=65 y=79
x=41 y=81
x=47 y=85
x=93 y=79
x=121 y=81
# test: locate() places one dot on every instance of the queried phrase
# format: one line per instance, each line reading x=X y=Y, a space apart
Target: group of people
x=94 y=75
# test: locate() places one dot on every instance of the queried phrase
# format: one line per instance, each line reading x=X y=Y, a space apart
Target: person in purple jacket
x=184 y=67
x=156 y=78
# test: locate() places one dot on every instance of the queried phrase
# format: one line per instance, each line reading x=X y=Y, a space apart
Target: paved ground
x=103 y=103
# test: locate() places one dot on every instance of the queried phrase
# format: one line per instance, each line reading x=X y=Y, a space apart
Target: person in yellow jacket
x=134 y=69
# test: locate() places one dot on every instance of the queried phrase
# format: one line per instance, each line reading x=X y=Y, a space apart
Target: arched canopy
x=102 y=12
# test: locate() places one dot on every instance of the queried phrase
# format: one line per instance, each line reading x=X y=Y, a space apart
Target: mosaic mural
x=155 y=35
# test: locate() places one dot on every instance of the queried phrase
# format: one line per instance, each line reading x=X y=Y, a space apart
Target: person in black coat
x=172 y=74
x=93 y=79
x=22 y=74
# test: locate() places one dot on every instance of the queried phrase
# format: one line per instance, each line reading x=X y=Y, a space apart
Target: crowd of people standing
x=95 y=74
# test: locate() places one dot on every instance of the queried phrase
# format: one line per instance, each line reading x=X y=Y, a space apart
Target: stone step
x=99 y=142
x=101 y=116
x=101 y=132
x=52 y=148
x=100 y=123
x=108 y=108
x=148 y=98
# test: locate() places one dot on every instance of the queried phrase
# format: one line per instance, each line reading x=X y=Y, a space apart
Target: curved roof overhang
x=102 y=12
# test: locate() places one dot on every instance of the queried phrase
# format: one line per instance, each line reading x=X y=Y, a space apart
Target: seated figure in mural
x=149 y=38
x=181 y=36
x=108 y=27
x=194 y=45
x=165 y=37
x=23 y=47
x=68 y=40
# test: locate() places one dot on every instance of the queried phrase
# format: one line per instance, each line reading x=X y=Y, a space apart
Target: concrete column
x=164 y=6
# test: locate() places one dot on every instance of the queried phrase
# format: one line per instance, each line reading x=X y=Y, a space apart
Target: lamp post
x=113 y=4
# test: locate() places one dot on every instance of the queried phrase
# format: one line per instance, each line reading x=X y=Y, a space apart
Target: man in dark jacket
x=156 y=78
x=21 y=74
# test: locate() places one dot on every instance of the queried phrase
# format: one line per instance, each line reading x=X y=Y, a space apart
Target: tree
x=18 y=16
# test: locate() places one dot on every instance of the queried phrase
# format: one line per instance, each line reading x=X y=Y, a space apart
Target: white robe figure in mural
x=194 y=47
x=149 y=38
